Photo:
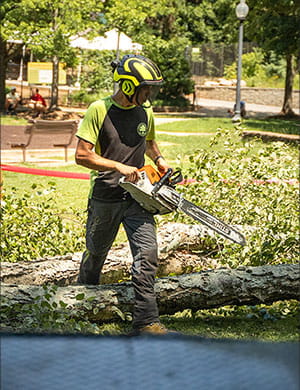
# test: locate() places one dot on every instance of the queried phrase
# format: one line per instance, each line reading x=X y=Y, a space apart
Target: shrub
x=232 y=185
x=86 y=97
x=32 y=229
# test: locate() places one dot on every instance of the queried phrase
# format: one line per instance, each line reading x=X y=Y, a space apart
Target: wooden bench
x=49 y=128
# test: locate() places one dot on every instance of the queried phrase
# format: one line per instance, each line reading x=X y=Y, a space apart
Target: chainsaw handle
x=165 y=178
x=176 y=178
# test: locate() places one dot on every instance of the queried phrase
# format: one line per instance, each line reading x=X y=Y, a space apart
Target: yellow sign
x=41 y=73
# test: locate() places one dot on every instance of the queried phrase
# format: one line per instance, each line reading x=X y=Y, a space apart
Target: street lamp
x=241 y=13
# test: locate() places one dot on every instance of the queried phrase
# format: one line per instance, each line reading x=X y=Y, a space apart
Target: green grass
x=264 y=323
x=211 y=125
x=13 y=121
x=273 y=125
x=197 y=125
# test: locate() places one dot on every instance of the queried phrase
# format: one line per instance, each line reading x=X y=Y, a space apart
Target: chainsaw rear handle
x=166 y=179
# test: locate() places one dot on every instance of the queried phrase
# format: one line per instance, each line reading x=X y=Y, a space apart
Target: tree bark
x=55 y=81
x=55 y=66
x=204 y=290
x=7 y=51
x=287 y=108
x=3 y=67
x=175 y=241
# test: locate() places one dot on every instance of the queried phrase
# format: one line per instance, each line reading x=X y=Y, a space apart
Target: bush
x=232 y=185
x=170 y=56
x=31 y=229
x=260 y=70
x=86 y=97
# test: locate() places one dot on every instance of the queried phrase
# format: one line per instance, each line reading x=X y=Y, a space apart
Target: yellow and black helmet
x=134 y=72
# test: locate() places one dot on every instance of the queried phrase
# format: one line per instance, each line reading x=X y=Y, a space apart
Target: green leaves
x=30 y=229
x=249 y=186
x=45 y=314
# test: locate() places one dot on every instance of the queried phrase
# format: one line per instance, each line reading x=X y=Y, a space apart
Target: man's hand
x=162 y=165
x=131 y=173
x=86 y=157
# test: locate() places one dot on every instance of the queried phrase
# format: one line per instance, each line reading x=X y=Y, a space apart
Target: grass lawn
x=197 y=125
x=13 y=121
x=210 y=125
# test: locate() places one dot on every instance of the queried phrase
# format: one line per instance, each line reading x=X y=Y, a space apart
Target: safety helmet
x=134 y=72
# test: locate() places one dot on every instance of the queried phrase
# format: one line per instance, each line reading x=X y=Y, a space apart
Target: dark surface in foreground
x=162 y=362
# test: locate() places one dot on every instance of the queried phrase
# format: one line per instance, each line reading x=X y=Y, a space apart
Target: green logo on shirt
x=142 y=129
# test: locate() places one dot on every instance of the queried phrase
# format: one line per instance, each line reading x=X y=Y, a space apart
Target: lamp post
x=241 y=13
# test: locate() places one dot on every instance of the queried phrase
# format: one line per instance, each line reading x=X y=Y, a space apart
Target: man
x=12 y=101
x=114 y=136
x=38 y=103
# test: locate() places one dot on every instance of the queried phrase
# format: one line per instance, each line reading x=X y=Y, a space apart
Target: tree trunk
x=3 y=67
x=55 y=81
x=55 y=66
x=175 y=241
x=287 y=108
x=204 y=290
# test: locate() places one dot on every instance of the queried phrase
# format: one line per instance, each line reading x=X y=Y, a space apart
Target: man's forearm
x=152 y=150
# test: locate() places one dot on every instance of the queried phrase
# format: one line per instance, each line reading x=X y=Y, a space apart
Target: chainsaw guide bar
x=157 y=195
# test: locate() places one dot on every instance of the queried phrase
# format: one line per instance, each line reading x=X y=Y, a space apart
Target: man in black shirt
x=113 y=139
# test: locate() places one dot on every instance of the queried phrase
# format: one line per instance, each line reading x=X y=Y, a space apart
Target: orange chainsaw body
x=152 y=174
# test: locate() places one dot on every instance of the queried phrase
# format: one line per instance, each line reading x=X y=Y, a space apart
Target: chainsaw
x=156 y=193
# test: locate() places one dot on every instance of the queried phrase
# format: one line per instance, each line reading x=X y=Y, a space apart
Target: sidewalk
x=250 y=107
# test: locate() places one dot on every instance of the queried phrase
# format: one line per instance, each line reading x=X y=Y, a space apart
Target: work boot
x=155 y=328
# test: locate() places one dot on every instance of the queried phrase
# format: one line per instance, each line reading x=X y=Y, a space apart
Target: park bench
x=51 y=129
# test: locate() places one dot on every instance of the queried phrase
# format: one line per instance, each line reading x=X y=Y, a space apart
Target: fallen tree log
x=175 y=241
x=270 y=136
x=204 y=290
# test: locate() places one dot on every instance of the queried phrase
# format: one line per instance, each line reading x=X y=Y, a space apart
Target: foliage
x=84 y=97
x=97 y=71
x=260 y=69
x=209 y=21
x=275 y=25
x=46 y=315
x=45 y=27
x=232 y=184
x=170 y=57
x=31 y=230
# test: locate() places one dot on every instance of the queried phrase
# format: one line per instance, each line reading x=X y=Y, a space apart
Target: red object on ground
x=86 y=176
x=45 y=172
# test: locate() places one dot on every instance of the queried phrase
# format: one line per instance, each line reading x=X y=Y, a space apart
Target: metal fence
x=210 y=60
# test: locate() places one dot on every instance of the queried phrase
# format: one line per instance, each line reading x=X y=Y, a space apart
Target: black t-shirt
x=119 y=134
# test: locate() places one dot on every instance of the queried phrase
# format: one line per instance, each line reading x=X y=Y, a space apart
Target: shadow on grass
x=274 y=125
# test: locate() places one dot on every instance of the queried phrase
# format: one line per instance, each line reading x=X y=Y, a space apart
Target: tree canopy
x=165 y=28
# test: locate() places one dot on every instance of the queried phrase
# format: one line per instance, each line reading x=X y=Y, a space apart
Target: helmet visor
x=146 y=93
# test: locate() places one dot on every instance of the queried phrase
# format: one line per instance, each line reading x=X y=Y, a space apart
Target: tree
x=164 y=40
x=45 y=27
x=275 y=27
x=195 y=291
x=7 y=49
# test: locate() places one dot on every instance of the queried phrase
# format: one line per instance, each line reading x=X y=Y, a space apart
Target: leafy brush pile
x=32 y=228
x=252 y=185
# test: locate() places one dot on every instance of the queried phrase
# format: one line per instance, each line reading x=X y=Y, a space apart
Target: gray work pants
x=102 y=227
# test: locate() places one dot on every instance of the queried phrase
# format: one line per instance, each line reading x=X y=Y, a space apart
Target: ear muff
x=128 y=87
